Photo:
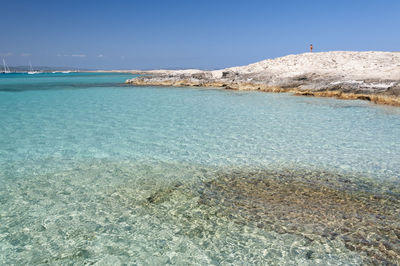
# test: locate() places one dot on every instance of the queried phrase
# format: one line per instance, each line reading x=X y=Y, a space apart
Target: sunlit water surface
x=93 y=171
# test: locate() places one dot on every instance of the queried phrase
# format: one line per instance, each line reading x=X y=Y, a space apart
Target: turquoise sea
x=93 y=171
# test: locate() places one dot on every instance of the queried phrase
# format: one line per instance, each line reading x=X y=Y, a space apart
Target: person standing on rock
x=311 y=46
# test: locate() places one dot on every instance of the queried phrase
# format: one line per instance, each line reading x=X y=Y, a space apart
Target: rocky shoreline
x=371 y=76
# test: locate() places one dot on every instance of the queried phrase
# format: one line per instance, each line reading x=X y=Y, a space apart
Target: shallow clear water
x=93 y=171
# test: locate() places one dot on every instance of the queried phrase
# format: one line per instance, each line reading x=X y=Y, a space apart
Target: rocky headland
x=372 y=76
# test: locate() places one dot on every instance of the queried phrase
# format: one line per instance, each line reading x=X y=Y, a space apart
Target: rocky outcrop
x=373 y=76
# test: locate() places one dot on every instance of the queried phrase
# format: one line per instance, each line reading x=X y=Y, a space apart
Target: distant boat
x=31 y=71
x=6 y=68
x=63 y=72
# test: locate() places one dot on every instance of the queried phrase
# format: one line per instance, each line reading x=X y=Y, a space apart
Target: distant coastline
x=372 y=76
x=45 y=69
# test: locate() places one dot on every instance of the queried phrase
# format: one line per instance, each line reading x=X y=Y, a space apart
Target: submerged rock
x=291 y=202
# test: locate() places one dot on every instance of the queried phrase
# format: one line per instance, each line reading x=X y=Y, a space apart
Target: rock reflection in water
x=299 y=203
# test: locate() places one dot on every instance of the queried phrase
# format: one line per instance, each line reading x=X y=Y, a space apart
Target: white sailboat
x=31 y=71
x=6 y=68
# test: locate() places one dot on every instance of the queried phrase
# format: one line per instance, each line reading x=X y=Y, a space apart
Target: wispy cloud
x=78 y=55
x=73 y=55
x=6 y=54
x=100 y=56
x=26 y=54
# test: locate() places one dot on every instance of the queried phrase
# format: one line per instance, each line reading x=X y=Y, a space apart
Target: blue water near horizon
x=81 y=152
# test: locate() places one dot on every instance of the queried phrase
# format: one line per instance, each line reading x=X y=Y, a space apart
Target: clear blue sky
x=192 y=33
